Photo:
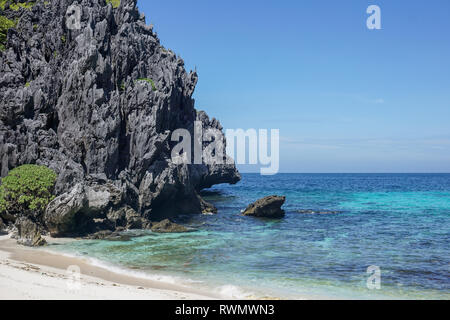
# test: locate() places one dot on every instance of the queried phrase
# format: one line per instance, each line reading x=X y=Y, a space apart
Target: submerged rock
x=28 y=233
x=269 y=207
x=167 y=226
x=73 y=99
x=109 y=235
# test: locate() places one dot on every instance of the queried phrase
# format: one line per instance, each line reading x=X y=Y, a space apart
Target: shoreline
x=29 y=273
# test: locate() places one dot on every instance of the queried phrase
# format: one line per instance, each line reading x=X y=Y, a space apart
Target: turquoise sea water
x=398 y=222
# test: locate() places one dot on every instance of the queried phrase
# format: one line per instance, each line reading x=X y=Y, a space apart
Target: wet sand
x=28 y=273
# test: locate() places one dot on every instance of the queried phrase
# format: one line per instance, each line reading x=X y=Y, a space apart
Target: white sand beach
x=31 y=274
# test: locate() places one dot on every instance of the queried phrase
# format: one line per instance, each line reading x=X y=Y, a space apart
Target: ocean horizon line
x=247 y=172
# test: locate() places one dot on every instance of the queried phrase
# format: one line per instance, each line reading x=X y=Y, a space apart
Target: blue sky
x=345 y=98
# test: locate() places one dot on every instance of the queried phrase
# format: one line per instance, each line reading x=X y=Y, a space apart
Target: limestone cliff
x=97 y=104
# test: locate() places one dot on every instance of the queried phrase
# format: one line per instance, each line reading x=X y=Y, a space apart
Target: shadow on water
x=218 y=196
x=216 y=193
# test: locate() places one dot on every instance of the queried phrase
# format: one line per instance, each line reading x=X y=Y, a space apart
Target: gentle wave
x=124 y=271
x=226 y=291
x=234 y=292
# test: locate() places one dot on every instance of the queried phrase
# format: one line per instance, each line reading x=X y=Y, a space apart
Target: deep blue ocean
x=397 y=222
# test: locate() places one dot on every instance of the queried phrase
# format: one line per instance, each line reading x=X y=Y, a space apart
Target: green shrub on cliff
x=5 y=25
x=150 y=81
x=27 y=188
x=115 y=3
x=16 y=5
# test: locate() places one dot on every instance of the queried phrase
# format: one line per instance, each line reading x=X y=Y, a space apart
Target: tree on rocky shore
x=27 y=190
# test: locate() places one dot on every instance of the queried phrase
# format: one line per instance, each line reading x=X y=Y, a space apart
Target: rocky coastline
x=75 y=101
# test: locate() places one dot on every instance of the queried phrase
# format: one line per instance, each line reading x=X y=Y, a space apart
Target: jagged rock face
x=71 y=100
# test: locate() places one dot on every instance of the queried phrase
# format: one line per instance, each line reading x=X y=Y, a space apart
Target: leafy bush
x=5 y=25
x=115 y=3
x=28 y=188
x=17 y=5
x=150 y=81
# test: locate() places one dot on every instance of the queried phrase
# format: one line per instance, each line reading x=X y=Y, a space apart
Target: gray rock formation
x=28 y=233
x=268 y=207
x=110 y=236
x=98 y=105
x=167 y=226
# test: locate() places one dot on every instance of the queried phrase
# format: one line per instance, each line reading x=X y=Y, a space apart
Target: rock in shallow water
x=167 y=226
x=110 y=236
x=269 y=207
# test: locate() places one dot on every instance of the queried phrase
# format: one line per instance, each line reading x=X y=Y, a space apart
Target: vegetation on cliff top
x=27 y=188
x=5 y=23
x=16 y=5
x=115 y=3
x=150 y=81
